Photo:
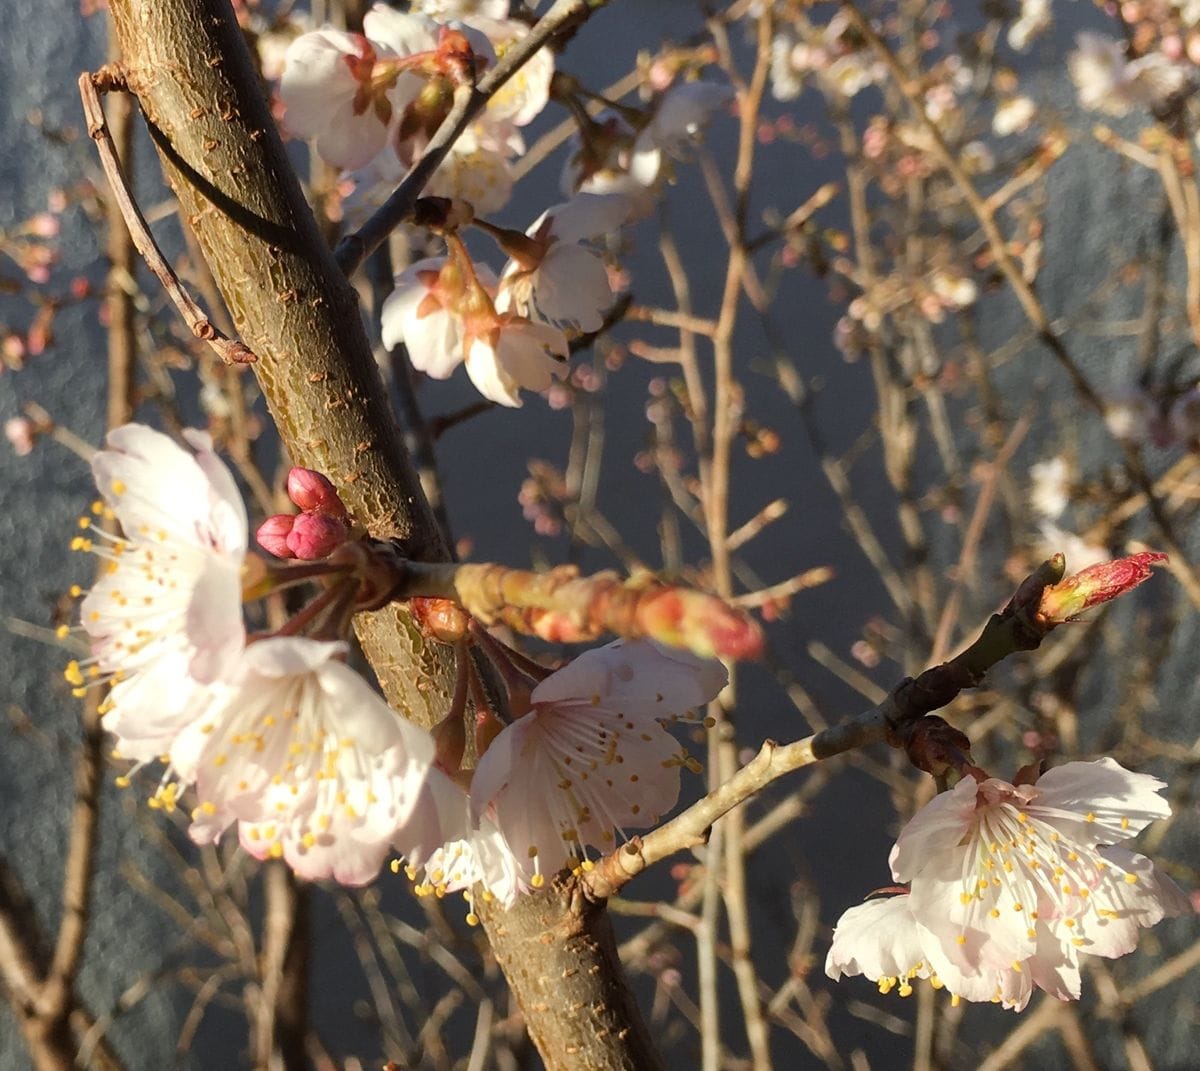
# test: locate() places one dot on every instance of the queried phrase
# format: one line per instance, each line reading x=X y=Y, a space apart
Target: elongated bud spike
x=314 y=493
x=272 y=535
x=315 y=535
x=1096 y=584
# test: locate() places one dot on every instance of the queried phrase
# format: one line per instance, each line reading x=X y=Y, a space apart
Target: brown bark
x=187 y=63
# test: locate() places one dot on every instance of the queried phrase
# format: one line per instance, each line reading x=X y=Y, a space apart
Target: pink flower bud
x=314 y=493
x=1096 y=584
x=272 y=535
x=315 y=535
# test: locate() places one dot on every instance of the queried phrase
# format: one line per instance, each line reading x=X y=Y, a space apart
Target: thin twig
x=110 y=79
x=469 y=100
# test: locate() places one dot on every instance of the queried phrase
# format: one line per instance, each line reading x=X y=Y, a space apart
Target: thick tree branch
x=187 y=63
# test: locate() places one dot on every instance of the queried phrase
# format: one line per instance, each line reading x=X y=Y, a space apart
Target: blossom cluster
x=1010 y=885
x=370 y=103
x=280 y=737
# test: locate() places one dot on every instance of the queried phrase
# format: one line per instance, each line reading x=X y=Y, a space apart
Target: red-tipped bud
x=1096 y=584
x=314 y=535
x=314 y=493
x=440 y=618
x=272 y=535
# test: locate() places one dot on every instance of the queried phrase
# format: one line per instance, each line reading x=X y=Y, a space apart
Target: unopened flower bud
x=440 y=618
x=272 y=535
x=315 y=535
x=314 y=493
x=1096 y=584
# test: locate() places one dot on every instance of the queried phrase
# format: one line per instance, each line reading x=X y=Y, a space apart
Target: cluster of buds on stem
x=321 y=526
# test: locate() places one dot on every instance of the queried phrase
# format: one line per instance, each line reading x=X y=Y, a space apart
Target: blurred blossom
x=21 y=433
x=1049 y=487
x=1013 y=115
x=1079 y=552
x=1132 y=416
x=977 y=158
x=1108 y=81
x=1033 y=21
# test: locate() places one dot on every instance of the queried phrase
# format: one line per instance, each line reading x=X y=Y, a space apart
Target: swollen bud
x=272 y=535
x=440 y=618
x=315 y=535
x=1096 y=584
x=314 y=493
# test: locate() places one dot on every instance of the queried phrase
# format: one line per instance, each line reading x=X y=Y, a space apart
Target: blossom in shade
x=442 y=309
x=313 y=766
x=1010 y=884
x=521 y=99
x=555 y=278
x=591 y=758
x=346 y=91
x=615 y=159
x=514 y=353
x=164 y=618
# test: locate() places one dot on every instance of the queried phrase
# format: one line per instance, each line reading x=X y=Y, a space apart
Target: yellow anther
x=472 y=919
x=1131 y=879
x=537 y=881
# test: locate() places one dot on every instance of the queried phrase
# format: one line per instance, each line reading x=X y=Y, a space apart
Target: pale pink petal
x=934 y=830
x=879 y=940
x=1099 y=802
x=402 y=34
x=637 y=676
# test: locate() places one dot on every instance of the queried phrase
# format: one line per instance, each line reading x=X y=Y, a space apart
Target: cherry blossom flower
x=471 y=851
x=443 y=311
x=346 y=91
x=422 y=313
x=591 y=759
x=523 y=97
x=1110 y=82
x=884 y=941
x=1012 y=883
x=556 y=279
x=616 y=159
x=165 y=617
x=311 y=763
x=515 y=353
